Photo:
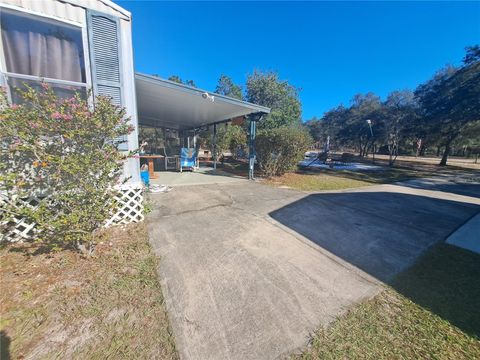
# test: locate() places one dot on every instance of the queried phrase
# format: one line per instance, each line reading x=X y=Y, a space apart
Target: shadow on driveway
x=381 y=233
x=384 y=233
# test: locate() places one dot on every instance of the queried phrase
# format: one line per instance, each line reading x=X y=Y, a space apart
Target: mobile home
x=73 y=45
x=78 y=45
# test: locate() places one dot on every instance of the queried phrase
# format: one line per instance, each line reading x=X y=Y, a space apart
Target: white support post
x=214 y=146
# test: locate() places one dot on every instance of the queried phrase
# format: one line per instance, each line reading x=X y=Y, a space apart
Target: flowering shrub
x=60 y=150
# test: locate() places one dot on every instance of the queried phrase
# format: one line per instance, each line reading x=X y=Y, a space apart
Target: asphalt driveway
x=249 y=271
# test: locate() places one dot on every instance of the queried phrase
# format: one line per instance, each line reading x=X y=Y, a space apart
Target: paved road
x=249 y=271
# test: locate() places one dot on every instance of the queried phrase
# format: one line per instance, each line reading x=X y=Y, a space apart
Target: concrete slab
x=380 y=230
x=462 y=183
x=236 y=285
x=202 y=176
x=468 y=235
x=249 y=271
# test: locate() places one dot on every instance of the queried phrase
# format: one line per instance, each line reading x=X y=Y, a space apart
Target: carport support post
x=251 y=148
x=215 y=146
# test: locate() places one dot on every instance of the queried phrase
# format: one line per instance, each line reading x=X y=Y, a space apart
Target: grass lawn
x=430 y=312
x=315 y=181
x=343 y=179
x=328 y=179
x=63 y=305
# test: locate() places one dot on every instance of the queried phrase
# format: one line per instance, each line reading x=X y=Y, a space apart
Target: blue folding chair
x=188 y=158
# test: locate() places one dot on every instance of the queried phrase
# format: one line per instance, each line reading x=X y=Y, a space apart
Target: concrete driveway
x=249 y=271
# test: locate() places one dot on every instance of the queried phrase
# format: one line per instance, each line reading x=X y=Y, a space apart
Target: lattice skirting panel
x=130 y=210
x=20 y=228
x=130 y=200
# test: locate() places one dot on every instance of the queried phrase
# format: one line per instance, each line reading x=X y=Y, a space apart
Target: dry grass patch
x=62 y=305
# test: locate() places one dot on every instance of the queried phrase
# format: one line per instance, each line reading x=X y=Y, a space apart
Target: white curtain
x=41 y=54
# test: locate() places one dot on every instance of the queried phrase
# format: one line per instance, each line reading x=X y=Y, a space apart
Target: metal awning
x=164 y=103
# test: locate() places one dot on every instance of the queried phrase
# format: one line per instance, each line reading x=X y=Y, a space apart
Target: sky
x=329 y=50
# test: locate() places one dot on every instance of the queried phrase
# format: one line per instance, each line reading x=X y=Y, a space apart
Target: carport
x=180 y=108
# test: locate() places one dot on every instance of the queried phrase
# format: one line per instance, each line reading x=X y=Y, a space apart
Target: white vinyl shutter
x=105 y=60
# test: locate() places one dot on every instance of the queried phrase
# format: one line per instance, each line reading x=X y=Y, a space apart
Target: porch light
x=207 y=96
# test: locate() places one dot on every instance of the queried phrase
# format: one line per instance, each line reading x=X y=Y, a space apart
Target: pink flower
x=45 y=86
x=56 y=115
x=14 y=106
x=67 y=117
x=33 y=125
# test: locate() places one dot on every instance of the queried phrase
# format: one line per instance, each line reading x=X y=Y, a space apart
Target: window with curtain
x=38 y=49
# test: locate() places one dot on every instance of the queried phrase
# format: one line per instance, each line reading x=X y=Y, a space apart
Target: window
x=38 y=49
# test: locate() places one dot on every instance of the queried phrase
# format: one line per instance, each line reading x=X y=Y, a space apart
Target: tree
x=317 y=129
x=472 y=54
x=469 y=140
x=227 y=87
x=450 y=100
x=178 y=79
x=235 y=140
x=399 y=110
x=329 y=126
x=265 y=88
x=354 y=128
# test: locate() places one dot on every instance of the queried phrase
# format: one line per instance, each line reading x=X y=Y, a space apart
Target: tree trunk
x=360 y=147
x=393 y=153
x=422 y=151
x=373 y=152
x=443 y=162
x=365 y=149
x=419 y=147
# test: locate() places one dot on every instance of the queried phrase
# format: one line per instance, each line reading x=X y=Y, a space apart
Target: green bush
x=60 y=150
x=232 y=138
x=235 y=139
x=279 y=150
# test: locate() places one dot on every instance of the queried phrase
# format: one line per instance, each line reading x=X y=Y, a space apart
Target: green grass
x=343 y=179
x=430 y=312
x=315 y=182
x=446 y=281
x=64 y=306
x=384 y=176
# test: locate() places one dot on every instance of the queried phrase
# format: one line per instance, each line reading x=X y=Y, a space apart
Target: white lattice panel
x=19 y=228
x=130 y=209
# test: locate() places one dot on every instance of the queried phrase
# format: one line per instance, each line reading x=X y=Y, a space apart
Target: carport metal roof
x=164 y=103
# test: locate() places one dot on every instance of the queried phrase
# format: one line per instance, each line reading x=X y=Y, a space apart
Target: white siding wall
x=132 y=166
x=71 y=10
x=74 y=11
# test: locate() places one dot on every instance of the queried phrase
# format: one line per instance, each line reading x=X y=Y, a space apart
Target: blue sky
x=330 y=50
